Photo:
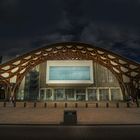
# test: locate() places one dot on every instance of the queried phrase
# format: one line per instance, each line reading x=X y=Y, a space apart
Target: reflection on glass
x=59 y=94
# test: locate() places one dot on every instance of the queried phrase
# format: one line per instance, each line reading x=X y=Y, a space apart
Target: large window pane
x=48 y=94
x=80 y=94
x=59 y=94
x=79 y=91
x=104 y=94
x=115 y=94
x=92 y=95
x=42 y=94
x=69 y=73
x=80 y=97
x=69 y=94
x=20 y=95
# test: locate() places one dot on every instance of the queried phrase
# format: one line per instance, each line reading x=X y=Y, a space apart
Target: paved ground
x=43 y=132
x=55 y=115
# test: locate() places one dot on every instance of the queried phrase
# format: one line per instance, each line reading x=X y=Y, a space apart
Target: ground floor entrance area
x=73 y=94
x=80 y=94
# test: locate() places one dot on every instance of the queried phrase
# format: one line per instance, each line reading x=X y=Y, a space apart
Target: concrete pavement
x=43 y=132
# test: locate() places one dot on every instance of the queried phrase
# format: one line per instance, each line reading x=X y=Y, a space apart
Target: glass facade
x=105 y=86
x=31 y=85
x=76 y=94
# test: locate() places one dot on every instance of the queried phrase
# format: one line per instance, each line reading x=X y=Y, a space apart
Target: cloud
x=65 y=23
x=113 y=25
x=11 y=3
x=13 y=47
x=114 y=38
x=52 y=38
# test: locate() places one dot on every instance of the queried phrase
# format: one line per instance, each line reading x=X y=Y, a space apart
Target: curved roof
x=15 y=69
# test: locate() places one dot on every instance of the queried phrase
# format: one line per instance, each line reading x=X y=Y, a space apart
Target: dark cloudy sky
x=110 y=24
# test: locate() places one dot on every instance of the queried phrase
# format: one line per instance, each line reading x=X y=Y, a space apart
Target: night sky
x=111 y=24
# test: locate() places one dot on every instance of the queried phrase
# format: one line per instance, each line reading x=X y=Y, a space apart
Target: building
x=71 y=80
x=71 y=72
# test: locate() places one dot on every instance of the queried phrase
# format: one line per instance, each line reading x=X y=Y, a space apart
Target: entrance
x=80 y=94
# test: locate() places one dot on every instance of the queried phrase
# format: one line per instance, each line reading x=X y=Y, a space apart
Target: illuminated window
x=69 y=73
